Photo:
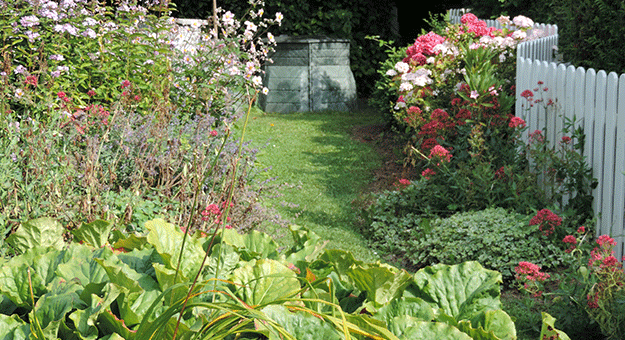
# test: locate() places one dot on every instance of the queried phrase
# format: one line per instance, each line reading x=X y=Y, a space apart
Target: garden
x=144 y=194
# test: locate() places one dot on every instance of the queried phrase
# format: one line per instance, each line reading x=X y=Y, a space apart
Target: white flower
x=89 y=22
x=402 y=67
x=19 y=93
x=519 y=35
x=257 y=81
x=405 y=87
x=474 y=94
x=89 y=33
x=271 y=38
x=279 y=17
x=502 y=57
x=228 y=18
x=430 y=60
x=19 y=69
x=391 y=73
x=265 y=90
x=523 y=21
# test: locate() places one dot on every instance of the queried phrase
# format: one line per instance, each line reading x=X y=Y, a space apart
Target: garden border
x=596 y=99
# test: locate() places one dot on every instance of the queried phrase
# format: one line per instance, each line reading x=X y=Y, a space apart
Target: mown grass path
x=327 y=169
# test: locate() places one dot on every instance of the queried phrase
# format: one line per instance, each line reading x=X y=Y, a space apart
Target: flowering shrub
x=457 y=77
x=104 y=113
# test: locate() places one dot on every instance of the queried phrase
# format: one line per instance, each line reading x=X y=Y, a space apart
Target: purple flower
x=58 y=57
x=29 y=21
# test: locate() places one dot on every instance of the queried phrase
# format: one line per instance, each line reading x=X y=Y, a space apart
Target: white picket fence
x=597 y=101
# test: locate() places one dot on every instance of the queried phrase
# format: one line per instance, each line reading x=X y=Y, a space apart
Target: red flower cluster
x=423 y=47
x=532 y=277
x=516 y=122
x=546 y=221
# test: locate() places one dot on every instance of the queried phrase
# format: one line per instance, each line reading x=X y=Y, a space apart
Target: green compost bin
x=309 y=74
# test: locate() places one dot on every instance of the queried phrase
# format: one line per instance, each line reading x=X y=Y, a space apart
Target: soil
x=382 y=139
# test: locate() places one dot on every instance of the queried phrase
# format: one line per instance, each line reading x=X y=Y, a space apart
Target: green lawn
x=314 y=153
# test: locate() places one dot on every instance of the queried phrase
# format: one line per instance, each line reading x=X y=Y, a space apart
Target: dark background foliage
x=399 y=21
x=590 y=31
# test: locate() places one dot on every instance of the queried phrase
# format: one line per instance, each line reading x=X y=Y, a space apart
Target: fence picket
x=597 y=164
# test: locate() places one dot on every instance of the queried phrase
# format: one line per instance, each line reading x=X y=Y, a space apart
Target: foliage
x=81 y=145
x=590 y=289
x=587 y=30
x=131 y=288
x=496 y=238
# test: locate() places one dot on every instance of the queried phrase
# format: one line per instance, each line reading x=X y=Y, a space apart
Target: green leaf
x=121 y=274
x=95 y=234
x=35 y=266
x=167 y=240
x=300 y=324
x=548 y=329
x=382 y=283
x=265 y=281
x=52 y=307
x=414 y=307
x=44 y=232
x=253 y=244
x=461 y=291
x=82 y=267
x=13 y=328
x=495 y=322
x=410 y=328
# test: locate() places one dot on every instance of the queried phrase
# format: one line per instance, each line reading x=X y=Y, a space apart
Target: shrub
x=495 y=237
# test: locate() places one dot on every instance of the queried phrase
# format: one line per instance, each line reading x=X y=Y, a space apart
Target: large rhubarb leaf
x=301 y=325
x=43 y=232
x=411 y=328
x=461 y=291
x=33 y=268
x=95 y=234
x=382 y=283
x=13 y=328
x=414 y=307
x=167 y=240
x=264 y=281
x=252 y=245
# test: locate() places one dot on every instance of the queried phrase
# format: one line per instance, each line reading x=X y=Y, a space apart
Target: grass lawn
x=324 y=169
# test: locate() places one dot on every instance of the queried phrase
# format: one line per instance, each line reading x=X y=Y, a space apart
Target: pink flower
x=211 y=210
x=214 y=133
x=605 y=240
x=527 y=94
x=91 y=93
x=428 y=173
x=469 y=18
x=125 y=83
x=60 y=94
x=570 y=239
x=516 y=122
x=581 y=230
x=404 y=181
x=566 y=140
x=474 y=94
x=440 y=152
x=546 y=221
